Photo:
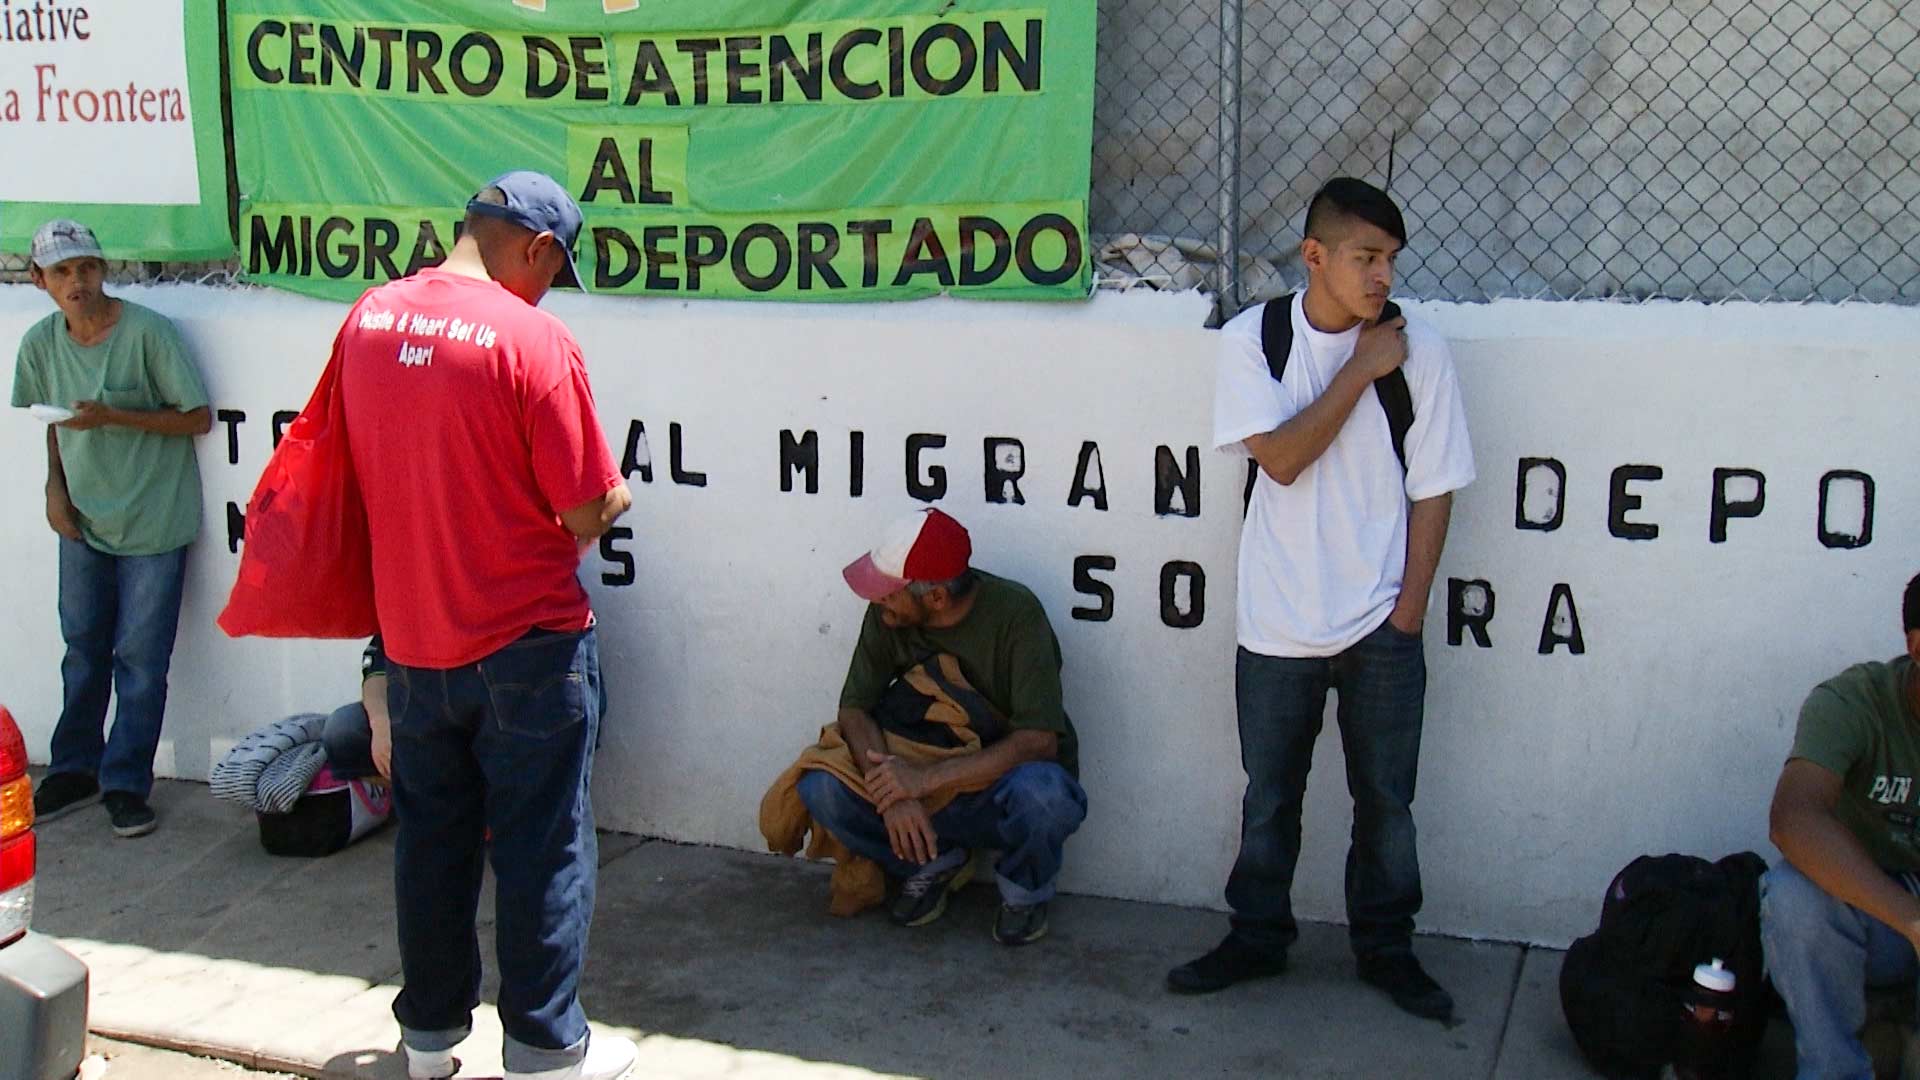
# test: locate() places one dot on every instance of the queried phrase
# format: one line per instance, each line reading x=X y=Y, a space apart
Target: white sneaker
x=609 y=1057
x=431 y=1064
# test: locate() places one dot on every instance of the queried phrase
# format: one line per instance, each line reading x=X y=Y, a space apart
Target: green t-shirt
x=138 y=493
x=1859 y=725
x=1006 y=649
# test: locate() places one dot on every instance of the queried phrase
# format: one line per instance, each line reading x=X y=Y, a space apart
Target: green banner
x=833 y=149
x=110 y=113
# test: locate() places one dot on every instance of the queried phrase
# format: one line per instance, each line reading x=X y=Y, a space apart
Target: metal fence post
x=1231 y=25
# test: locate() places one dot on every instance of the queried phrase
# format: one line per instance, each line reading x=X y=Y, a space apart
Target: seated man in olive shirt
x=927 y=600
x=1839 y=912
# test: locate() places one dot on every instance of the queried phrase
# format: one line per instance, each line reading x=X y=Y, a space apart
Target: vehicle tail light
x=16 y=832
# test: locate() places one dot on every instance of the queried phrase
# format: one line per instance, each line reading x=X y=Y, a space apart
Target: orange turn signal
x=16 y=807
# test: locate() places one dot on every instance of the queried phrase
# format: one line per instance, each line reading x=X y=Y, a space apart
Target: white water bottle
x=1708 y=1026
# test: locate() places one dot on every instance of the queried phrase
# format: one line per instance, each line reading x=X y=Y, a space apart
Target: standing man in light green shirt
x=1840 y=913
x=123 y=493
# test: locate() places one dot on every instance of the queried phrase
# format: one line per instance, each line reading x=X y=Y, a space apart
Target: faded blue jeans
x=118 y=615
x=1027 y=815
x=505 y=745
x=1381 y=681
x=1823 y=955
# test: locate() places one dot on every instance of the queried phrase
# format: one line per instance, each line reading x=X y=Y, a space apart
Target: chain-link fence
x=1708 y=149
x=13 y=268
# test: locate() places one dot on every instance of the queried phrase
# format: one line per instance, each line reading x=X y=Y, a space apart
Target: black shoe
x=923 y=898
x=1016 y=925
x=62 y=793
x=1411 y=988
x=1231 y=961
x=130 y=813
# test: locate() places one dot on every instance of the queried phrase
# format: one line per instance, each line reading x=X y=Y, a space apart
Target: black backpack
x=1276 y=341
x=1624 y=987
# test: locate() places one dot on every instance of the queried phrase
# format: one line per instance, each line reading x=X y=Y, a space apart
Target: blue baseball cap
x=537 y=202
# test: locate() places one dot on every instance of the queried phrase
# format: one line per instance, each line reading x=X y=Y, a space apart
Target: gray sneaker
x=923 y=897
x=1018 y=924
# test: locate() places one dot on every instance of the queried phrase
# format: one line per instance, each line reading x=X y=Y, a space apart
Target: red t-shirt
x=472 y=427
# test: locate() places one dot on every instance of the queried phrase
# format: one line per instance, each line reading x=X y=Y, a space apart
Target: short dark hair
x=957 y=588
x=1910 y=608
x=1345 y=198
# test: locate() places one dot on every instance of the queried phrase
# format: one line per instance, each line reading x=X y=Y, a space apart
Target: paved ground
x=111 y=1059
x=724 y=963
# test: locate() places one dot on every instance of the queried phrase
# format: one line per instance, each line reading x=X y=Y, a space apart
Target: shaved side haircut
x=1344 y=200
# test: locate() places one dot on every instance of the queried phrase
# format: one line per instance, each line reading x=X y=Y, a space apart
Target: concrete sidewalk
x=723 y=963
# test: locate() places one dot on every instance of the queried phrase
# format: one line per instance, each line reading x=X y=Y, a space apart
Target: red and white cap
x=923 y=546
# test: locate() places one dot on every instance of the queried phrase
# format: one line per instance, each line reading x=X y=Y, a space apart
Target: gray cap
x=62 y=239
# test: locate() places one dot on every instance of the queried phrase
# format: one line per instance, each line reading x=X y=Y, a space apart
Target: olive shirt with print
x=1861 y=726
x=1005 y=647
x=138 y=493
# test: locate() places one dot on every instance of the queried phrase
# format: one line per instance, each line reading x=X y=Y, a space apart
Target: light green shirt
x=1859 y=725
x=138 y=493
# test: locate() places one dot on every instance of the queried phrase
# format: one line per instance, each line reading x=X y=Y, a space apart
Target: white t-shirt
x=1321 y=559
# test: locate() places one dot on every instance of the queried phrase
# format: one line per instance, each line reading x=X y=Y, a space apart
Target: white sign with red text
x=94 y=105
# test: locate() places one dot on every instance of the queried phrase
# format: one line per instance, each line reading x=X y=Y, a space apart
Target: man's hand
x=382 y=748
x=910 y=831
x=88 y=415
x=890 y=780
x=1382 y=348
x=62 y=515
x=1408 y=615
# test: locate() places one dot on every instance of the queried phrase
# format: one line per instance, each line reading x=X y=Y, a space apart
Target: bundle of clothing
x=269 y=770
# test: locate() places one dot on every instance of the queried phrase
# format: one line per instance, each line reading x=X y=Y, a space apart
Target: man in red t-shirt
x=485 y=475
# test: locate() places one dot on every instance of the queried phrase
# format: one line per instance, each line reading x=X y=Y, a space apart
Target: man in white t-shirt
x=1337 y=557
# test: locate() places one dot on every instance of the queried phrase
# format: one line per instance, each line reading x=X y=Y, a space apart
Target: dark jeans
x=118 y=615
x=348 y=739
x=1381 y=681
x=1027 y=815
x=504 y=744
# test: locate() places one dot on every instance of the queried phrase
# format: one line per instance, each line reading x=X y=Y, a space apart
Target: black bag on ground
x=1624 y=987
x=332 y=814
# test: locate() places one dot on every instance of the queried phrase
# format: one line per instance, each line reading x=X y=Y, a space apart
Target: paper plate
x=51 y=414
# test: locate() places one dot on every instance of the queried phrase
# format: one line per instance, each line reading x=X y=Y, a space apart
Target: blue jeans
x=348 y=739
x=1027 y=814
x=1823 y=955
x=1381 y=681
x=503 y=744
x=118 y=615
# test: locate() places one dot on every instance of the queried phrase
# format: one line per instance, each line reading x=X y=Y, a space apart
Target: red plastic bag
x=306 y=569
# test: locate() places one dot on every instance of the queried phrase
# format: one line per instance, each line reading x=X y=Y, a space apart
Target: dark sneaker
x=130 y=813
x=1231 y=961
x=1017 y=925
x=923 y=897
x=62 y=793
x=1408 y=984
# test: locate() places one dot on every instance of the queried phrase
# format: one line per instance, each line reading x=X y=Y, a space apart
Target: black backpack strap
x=1396 y=398
x=1276 y=333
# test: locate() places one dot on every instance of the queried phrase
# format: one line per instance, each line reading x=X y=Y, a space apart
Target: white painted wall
x=1541 y=775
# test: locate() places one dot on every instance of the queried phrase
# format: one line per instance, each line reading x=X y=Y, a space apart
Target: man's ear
x=1313 y=253
x=937 y=598
x=538 y=247
x=37 y=276
x=1913 y=645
